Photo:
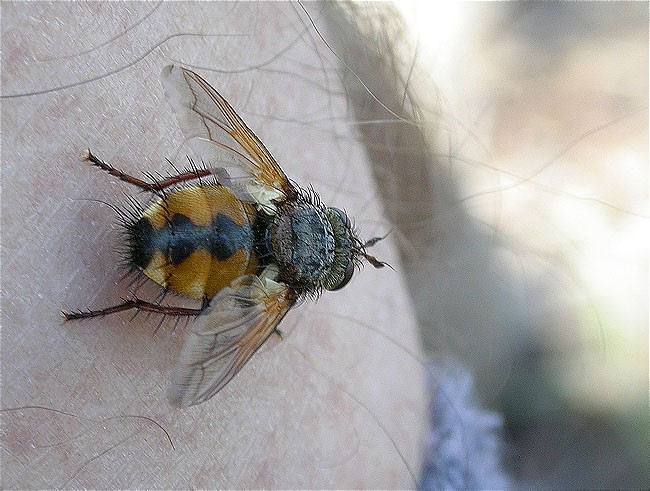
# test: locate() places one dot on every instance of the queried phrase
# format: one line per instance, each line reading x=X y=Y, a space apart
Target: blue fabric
x=463 y=448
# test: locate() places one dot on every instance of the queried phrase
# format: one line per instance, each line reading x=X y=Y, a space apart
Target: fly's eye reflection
x=349 y=271
x=202 y=220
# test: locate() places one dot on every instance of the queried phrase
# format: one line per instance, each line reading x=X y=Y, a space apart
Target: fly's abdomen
x=195 y=241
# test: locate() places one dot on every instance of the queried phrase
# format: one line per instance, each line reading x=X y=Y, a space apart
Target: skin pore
x=338 y=402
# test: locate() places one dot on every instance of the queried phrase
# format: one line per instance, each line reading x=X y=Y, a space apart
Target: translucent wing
x=214 y=129
x=236 y=323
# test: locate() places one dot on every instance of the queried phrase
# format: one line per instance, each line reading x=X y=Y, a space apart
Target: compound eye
x=344 y=218
x=349 y=271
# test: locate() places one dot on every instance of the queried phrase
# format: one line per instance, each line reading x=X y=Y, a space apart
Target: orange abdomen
x=195 y=241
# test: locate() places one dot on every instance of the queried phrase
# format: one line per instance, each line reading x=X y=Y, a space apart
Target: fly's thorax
x=195 y=240
x=313 y=247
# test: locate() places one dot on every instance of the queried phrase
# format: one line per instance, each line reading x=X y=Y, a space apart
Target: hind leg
x=137 y=304
x=147 y=186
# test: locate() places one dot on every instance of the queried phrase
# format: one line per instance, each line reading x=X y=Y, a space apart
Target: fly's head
x=316 y=247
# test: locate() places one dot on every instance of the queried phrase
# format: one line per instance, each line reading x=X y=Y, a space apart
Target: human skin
x=338 y=402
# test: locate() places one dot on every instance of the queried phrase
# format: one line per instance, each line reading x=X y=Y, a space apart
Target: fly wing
x=235 y=324
x=214 y=130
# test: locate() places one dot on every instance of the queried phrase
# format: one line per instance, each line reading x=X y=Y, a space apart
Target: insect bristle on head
x=359 y=247
x=361 y=251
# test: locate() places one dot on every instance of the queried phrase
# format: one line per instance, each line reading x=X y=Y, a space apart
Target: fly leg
x=137 y=304
x=147 y=186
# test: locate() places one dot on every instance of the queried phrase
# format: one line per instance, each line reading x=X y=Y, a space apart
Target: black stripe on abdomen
x=222 y=238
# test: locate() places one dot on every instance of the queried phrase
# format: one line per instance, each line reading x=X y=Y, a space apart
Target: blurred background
x=510 y=142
